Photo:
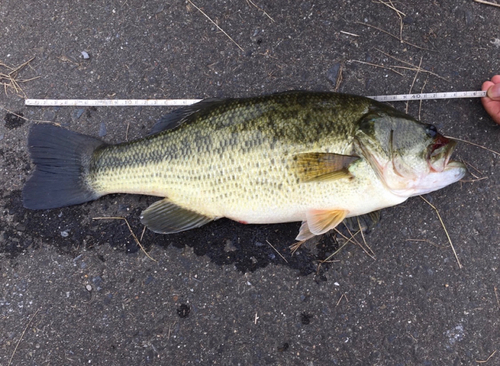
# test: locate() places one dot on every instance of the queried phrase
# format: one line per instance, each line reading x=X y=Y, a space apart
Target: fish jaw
x=435 y=180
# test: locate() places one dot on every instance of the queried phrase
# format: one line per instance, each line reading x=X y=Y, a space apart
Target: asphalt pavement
x=78 y=290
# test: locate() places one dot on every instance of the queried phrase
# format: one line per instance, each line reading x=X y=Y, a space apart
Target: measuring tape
x=185 y=102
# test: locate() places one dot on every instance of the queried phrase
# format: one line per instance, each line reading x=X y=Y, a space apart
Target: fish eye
x=431 y=131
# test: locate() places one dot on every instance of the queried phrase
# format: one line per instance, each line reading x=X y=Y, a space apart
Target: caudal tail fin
x=62 y=159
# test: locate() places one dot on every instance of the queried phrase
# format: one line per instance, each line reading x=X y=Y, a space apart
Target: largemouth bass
x=314 y=157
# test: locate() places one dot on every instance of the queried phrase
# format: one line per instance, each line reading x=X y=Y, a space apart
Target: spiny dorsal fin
x=165 y=217
x=316 y=166
x=178 y=117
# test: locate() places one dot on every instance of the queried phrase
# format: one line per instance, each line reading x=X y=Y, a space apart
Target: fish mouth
x=439 y=153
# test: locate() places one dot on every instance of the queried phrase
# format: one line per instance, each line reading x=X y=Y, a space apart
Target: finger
x=496 y=79
x=492 y=107
x=486 y=85
x=494 y=92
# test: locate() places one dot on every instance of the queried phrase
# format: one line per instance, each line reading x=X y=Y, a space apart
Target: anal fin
x=165 y=217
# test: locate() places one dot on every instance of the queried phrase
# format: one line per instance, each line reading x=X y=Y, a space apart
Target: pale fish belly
x=263 y=193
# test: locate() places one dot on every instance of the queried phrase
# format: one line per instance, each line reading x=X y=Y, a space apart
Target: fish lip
x=439 y=153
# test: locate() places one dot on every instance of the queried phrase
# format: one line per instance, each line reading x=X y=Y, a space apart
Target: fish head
x=410 y=157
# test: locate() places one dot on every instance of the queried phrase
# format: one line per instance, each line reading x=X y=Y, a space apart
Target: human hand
x=492 y=101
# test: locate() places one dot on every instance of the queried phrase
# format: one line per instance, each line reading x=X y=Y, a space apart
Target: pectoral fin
x=322 y=166
x=165 y=217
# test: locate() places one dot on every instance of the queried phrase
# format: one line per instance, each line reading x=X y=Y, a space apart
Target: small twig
x=131 y=232
x=446 y=231
x=22 y=335
x=487 y=3
x=496 y=295
x=495 y=351
x=214 y=23
x=473 y=144
x=276 y=251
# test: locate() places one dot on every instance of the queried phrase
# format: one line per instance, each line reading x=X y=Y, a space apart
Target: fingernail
x=494 y=91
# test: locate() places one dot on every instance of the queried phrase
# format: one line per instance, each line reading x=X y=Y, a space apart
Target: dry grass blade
x=26 y=119
x=411 y=66
x=364 y=239
x=428 y=241
x=392 y=35
x=400 y=14
x=413 y=82
x=326 y=260
x=295 y=246
x=341 y=297
x=131 y=232
x=262 y=10
x=349 y=34
x=473 y=144
x=375 y=65
x=214 y=23
x=420 y=102
x=339 y=78
x=10 y=78
x=487 y=3
x=22 y=335
x=277 y=251
x=446 y=231
x=484 y=361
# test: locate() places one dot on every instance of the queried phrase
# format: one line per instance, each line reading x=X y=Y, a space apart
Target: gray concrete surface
x=74 y=290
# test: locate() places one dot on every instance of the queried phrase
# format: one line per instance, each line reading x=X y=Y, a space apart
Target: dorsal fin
x=178 y=117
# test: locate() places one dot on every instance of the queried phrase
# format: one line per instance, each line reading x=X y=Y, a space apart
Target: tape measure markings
x=186 y=102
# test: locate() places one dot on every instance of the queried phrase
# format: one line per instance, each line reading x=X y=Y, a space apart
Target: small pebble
x=64 y=234
x=88 y=287
x=85 y=55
